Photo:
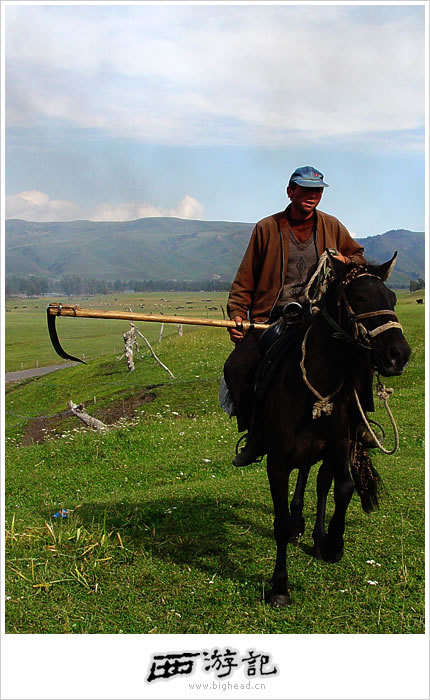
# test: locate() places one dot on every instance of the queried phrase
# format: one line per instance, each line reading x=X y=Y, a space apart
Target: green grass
x=165 y=536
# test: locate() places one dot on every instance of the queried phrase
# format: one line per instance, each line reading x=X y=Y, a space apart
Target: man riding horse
x=281 y=257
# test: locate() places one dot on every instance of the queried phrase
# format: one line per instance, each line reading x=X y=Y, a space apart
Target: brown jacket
x=261 y=273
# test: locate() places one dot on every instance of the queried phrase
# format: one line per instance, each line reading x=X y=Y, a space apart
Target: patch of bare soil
x=43 y=427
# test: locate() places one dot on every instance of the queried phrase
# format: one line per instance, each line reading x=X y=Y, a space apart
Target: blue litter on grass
x=61 y=514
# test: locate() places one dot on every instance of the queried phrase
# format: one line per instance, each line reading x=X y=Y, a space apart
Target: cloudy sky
x=120 y=111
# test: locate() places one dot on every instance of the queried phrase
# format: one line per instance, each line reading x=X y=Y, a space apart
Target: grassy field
x=163 y=535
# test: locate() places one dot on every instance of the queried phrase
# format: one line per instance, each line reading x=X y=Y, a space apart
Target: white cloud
x=188 y=208
x=37 y=206
x=218 y=74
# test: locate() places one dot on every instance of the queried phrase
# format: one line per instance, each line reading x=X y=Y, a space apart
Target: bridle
x=315 y=295
x=361 y=335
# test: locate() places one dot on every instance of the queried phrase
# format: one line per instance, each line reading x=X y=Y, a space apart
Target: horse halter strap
x=361 y=333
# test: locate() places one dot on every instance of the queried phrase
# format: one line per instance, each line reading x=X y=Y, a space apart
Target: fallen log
x=79 y=412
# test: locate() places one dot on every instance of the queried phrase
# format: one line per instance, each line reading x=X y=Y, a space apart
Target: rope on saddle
x=384 y=394
x=324 y=403
x=318 y=283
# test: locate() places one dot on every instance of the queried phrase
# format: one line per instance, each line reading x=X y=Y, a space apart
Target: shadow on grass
x=197 y=531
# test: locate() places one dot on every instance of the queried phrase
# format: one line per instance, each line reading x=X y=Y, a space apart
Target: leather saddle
x=278 y=343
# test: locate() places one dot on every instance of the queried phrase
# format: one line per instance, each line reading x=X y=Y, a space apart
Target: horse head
x=365 y=308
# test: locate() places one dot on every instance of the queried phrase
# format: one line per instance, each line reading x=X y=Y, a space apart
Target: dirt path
x=35 y=372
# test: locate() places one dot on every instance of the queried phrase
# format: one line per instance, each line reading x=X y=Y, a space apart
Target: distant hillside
x=164 y=248
x=411 y=258
x=150 y=248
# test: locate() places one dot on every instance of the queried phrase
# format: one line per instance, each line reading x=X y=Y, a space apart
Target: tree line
x=74 y=285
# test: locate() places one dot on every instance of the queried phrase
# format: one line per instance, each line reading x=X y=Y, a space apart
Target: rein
x=384 y=395
x=325 y=403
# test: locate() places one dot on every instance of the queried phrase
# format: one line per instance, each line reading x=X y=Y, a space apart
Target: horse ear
x=385 y=270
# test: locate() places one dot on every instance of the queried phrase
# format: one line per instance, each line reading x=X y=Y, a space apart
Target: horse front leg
x=278 y=480
x=332 y=544
x=297 y=523
x=324 y=480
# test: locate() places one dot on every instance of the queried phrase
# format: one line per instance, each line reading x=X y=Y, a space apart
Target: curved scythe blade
x=56 y=343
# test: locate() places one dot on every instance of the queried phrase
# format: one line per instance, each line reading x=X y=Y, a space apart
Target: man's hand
x=236 y=335
x=336 y=255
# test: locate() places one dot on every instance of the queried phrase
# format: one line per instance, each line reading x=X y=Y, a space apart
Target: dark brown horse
x=309 y=414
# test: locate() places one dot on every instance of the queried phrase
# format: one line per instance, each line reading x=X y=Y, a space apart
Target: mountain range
x=166 y=248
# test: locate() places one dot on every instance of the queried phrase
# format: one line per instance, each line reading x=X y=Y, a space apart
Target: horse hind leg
x=330 y=545
x=279 y=595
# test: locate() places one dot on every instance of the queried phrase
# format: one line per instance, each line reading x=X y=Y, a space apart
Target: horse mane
x=331 y=272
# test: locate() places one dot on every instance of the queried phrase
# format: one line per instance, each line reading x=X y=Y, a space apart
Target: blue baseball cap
x=307 y=177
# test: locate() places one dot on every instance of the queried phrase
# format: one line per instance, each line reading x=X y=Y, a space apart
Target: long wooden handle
x=56 y=309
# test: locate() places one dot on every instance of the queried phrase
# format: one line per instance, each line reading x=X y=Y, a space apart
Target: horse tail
x=366 y=479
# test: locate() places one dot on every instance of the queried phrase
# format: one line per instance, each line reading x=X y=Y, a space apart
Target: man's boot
x=252 y=452
x=365 y=437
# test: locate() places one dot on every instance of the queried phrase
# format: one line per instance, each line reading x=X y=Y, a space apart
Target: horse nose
x=399 y=355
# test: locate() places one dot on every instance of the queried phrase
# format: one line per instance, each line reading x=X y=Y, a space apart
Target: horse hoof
x=294 y=539
x=278 y=600
x=331 y=554
x=316 y=552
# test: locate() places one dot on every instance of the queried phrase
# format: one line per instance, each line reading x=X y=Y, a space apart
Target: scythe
x=56 y=309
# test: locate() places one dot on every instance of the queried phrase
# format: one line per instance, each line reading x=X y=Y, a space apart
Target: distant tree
x=12 y=286
x=415 y=285
x=71 y=285
x=104 y=287
x=36 y=286
x=30 y=286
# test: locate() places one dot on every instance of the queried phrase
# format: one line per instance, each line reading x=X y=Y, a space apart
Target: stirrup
x=246 y=436
x=243 y=437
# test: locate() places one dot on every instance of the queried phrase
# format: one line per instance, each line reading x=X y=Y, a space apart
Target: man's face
x=305 y=199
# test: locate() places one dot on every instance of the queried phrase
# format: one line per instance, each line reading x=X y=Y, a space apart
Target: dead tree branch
x=153 y=353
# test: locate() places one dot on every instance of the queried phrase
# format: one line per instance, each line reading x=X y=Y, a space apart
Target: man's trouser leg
x=239 y=373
